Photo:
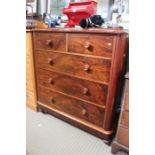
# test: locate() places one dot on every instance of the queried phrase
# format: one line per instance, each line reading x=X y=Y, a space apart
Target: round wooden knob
x=85 y=91
x=109 y=44
x=49 y=43
x=51 y=100
x=86 y=44
x=84 y=111
x=50 y=81
x=50 y=61
x=86 y=68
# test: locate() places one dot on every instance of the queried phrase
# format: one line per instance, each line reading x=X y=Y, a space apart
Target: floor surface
x=47 y=135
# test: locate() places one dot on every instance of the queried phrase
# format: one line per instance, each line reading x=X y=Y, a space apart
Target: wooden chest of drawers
x=77 y=73
x=121 y=141
x=30 y=78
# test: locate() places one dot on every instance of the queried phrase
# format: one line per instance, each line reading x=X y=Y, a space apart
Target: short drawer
x=125 y=118
x=71 y=106
x=50 y=41
x=85 y=67
x=84 y=89
x=123 y=136
x=91 y=44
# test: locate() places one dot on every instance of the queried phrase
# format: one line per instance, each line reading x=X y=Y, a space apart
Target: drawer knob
x=50 y=61
x=87 y=68
x=51 y=100
x=109 y=44
x=86 y=44
x=85 y=91
x=49 y=43
x=84 y=112
x=50 y=81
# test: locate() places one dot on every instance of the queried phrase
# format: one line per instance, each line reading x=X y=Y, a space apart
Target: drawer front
x=125 y=118
x=100 y=45
x=89 y=68
x=74 y=107
x=123 y=136
x=50 y=41
x=86 y=90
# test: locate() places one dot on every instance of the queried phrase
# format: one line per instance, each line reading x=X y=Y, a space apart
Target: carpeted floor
x=47 y=135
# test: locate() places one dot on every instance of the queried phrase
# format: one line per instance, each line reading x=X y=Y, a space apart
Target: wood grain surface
x=72 y=106
x=51 y=41
x=92 y=44
x=73 y=86
x=90 y=68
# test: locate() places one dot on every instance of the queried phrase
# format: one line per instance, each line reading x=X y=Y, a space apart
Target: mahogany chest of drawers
x=77 y=73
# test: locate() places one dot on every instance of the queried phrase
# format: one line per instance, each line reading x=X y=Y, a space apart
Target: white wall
x=41 y=7
x=102 y=7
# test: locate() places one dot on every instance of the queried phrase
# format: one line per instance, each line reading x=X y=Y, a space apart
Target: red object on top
x=78 y=11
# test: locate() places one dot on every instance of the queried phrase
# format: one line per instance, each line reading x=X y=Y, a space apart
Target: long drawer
x=85 y=67
x=94 y=44
x=71 y=106
x=86 y=90
x=51 y=41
